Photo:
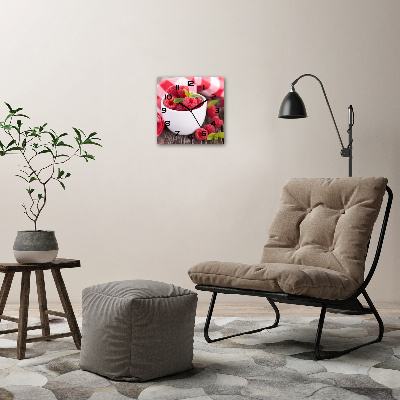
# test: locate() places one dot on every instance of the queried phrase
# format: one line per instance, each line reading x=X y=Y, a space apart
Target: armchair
x=315 y=254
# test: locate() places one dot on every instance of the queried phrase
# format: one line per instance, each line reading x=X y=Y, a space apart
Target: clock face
x=190 y=110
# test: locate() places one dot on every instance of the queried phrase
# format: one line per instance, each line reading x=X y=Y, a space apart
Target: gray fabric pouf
x=137 y=330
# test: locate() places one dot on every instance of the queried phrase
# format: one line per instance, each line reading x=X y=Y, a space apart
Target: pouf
x=137 y=330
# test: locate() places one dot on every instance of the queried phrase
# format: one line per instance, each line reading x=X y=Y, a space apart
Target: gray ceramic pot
x=35 y=247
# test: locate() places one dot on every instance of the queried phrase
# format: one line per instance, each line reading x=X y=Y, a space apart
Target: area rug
x=275 y=364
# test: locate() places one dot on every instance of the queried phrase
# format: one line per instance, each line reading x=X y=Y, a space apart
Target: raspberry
x=160 y=124
x=181 y=91
x=212 y=111
x=170 y=104
x=172 y=91
x=222 y=101
x=201 y=134
x=209 y=128
x=218 y=122
x=199 y=100
x=190 y=102
x=179 y=107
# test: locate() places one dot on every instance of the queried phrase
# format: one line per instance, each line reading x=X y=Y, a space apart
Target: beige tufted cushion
x=317 y=241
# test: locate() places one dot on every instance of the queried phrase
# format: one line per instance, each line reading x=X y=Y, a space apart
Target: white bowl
x=184 y=122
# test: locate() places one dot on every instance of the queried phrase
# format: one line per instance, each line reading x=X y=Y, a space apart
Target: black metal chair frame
x=350 y=305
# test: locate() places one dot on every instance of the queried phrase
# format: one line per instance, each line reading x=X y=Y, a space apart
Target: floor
x=225 y=310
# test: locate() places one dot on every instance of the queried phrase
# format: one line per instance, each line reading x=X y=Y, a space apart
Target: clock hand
x=198 y=105
x=195 y=118
x=186 y=107
x=192 y=114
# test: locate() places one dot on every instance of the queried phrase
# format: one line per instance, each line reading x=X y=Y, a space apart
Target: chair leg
x=335 y=354
x=68 y=310
x=5 y=289
x=23 y=314
x=210 y=311
x=42 y=299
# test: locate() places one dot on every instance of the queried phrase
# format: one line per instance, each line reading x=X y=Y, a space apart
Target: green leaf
x=211 y=103
x=53 y=137
x=78 y=134
x=187 y=94
x=64 y=144
x=67 y=175
x=196 y=95
x=215 y=136
x=97 y=144
x=22 y=115
x=63 y=186
x=210 y=136
x=32 y=179
x=7 y=127
x=63 y=134
x=22 y=177
x=40 y=196
x=9 y=107
x=15 y=148
x=62 y=155
x=178 y=100
x=11 y=143
x=87 y=157
x=30 y=191
x=45 y=151
x=93 y=134
x=221 y=135
x=60 y=173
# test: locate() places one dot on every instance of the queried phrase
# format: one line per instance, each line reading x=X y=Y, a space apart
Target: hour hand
x=185 y=107
x=198 y=105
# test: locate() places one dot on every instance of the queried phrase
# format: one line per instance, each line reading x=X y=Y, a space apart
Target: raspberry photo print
x=190 y=110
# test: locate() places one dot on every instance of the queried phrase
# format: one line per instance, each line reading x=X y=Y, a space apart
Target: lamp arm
x=327 y=102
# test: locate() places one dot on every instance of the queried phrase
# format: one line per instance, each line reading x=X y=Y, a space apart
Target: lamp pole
x=293 y=107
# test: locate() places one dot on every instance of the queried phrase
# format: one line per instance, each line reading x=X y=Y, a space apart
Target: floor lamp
x=293 y=107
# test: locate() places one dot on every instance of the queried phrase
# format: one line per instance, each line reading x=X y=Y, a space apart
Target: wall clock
x=190 y=110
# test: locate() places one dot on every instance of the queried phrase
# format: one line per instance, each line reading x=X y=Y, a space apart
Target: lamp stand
x=348 y=151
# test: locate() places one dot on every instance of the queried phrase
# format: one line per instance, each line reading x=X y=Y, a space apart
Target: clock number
x=204 y=87
x=177 y=132
x=213 y=123
x=163 y=110
x=168 y=97
x=213 y=96
x=190 y=83
x=167 y=123
x=217 y=110
x=204 y=133
x=177 y=87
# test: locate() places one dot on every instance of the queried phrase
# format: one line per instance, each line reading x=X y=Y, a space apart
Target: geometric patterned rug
x=275 y=364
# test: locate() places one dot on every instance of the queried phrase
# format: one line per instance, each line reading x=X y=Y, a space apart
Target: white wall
x=146 y=211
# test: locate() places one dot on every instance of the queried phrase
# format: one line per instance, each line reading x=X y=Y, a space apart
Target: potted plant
x=44 y=154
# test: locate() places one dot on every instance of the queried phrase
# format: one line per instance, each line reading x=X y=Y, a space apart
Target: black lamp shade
x=292 y=106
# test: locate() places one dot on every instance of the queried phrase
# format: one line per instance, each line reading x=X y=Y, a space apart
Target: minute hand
x=198 y=105
x=185 y=107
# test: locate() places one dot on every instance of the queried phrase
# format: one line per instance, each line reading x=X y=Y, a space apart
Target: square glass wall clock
x=190 y=110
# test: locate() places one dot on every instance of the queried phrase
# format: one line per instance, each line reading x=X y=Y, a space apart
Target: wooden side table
x=26 y=269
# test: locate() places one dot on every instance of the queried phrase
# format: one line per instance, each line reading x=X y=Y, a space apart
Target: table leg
x=41 y=291
x=69 y=312
x=5 y=289
x=23 y=314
